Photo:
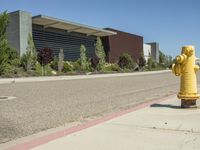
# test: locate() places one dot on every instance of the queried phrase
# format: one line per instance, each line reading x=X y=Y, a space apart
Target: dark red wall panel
x=121 y=43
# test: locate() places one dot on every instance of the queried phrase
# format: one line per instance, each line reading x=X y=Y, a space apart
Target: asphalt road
x=42 y=105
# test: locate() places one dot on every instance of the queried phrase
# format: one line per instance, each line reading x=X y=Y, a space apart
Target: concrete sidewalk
x=161 y=126
x=74 y=77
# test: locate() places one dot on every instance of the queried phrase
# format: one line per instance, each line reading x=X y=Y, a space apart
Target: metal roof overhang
x=47 y=22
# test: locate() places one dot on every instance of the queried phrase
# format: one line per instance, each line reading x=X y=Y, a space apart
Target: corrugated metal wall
x=56 y=39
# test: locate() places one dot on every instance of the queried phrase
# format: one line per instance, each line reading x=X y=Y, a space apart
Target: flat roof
x=70 y=26
x=115 y=30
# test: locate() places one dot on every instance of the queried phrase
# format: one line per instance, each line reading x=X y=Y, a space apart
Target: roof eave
x=101 y=32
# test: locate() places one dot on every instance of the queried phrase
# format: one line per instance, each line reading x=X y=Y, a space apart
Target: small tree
x=83 y=59
x=100 y=53
x=8 y=55
x=44 y=57
x=29 y=59
x=60 y=60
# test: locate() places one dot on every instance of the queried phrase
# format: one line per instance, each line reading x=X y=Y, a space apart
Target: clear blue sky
x=172 y=23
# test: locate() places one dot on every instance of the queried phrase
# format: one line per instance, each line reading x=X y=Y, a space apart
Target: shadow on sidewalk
x=166 y=105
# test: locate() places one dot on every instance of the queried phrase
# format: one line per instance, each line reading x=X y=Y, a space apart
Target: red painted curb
x=45 y=139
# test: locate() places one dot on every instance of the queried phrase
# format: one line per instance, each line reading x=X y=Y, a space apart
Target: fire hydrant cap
x=188 y=47
x=188 y=50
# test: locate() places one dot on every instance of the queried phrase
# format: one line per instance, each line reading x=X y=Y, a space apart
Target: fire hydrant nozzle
x=186 y=68
x=181 y=58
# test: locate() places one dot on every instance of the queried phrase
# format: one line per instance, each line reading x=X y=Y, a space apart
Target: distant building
x=147 y=51
x=53 y=33
x=61 y=34
x=122 y=42
x=154 y=51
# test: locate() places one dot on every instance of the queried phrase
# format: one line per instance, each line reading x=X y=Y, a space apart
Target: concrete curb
x=75 y=77
x=47 y=138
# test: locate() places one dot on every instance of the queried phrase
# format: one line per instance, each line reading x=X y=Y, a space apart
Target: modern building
x=154 y=51
x=122 y=42
x=53 y=33
x=147 y=51
x=66 y=35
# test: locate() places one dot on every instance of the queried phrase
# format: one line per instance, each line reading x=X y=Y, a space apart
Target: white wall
x=147 y=51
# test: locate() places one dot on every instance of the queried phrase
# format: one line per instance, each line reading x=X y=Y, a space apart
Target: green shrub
x=48 y=70
x=151 y=64
x=54 y=63
x=154 y=64
x=4 y=47
x=8 y=55
x=89 y=66
x=141 y=62
x=15 y=62
x=127 y=70
x=38 y=69
x=13 y=71
x=111 y=67
x=94 y=61
x=41 y=70
x=11 y=68
x=126 y=62
x=68 y=67
x=76 y=65
x=100 y=66
x=15 y=65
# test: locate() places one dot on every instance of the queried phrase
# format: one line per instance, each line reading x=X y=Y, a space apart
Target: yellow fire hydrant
x=186 y=68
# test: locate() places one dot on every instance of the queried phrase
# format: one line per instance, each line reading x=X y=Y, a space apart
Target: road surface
x=40 y=106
